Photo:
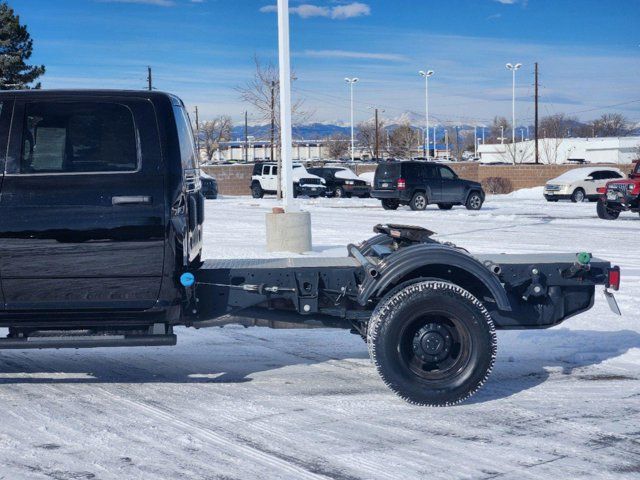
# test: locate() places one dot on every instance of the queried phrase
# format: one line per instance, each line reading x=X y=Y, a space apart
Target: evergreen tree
x=16 y=47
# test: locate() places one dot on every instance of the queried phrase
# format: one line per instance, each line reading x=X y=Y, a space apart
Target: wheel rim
x=475 y=202
x=338 y=192
x=579 y=195
x=435 y=347
x=420 y=202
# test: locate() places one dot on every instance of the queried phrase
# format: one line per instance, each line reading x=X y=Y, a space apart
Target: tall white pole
x=426 y=112
x=513 y=107
x=502 y=134
x=434 y=141
x=353 y=137
x=483 y=135
x=285 y=106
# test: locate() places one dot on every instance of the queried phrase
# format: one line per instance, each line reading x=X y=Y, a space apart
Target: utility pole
x=246 y=137
x=377 y=136
x=352 y=82
x=536 y=115
x=426 y=74
x=149 y=79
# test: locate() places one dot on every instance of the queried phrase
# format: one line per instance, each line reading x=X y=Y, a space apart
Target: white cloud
x=507 y=2
x=340 y=12
x=349 y=54
x=158 y=3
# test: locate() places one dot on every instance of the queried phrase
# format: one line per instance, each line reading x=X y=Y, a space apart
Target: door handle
x=131 y=200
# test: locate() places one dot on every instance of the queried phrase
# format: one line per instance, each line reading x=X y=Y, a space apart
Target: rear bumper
x=401 y=195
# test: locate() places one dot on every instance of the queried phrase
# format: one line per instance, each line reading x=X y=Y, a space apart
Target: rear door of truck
x=6 y=108
x=82 y=206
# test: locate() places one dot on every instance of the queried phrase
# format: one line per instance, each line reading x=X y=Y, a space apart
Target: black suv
x=418 y=184
x=341 y=182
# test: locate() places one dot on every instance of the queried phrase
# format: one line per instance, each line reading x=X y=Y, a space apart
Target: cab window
x=78 y=137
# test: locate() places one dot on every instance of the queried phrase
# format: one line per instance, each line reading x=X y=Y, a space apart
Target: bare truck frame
x=428 y=310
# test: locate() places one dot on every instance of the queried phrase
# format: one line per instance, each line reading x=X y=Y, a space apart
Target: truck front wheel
x=606 y=213
x=433 y=343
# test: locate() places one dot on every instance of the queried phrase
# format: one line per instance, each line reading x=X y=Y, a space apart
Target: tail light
x=614 y=278
x=402 y=184
x=601 y=190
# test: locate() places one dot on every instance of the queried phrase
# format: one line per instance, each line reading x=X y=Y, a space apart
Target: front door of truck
x=6 y=107
x=82 y=205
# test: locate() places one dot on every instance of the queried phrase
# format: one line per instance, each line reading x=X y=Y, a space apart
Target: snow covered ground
x=238 y=403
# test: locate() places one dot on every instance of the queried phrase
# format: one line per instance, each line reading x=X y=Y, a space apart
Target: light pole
x=502 y=134
x=514 y=69
x=475 y=141
x=426 y=75
x=352 y=82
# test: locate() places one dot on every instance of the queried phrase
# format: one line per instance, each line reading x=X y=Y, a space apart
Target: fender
x=397 y=265
x=468 y=190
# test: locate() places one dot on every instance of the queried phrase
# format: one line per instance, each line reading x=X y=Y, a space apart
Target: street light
x=352 y=82
x=514 y=69
x=426 y=76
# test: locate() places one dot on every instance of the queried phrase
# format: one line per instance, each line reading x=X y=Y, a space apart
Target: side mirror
x=589 y=179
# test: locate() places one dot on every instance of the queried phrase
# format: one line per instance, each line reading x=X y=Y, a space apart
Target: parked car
x=342 y=182
x=419 y=184
x=620 y=196
x=580 y=184
x=265 y=180
x=209 y=186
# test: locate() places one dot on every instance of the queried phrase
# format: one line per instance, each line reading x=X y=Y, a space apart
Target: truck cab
x=100 y=205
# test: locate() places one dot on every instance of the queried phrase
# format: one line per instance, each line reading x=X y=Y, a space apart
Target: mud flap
x=613 y=304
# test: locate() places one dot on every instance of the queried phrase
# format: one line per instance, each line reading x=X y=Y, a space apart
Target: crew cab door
x=82 y=206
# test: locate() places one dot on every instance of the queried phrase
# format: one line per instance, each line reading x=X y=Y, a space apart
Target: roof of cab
x=86 y=92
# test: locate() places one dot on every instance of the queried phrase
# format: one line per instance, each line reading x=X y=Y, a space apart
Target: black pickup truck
x=101 y=215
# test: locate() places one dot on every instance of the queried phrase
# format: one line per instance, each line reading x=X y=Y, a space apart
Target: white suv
x=580 y=184
x=265 y=180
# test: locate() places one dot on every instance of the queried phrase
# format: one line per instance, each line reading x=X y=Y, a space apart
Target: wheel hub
x=432 y=343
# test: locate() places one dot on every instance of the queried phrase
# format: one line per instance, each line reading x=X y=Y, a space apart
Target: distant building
x=564 y=150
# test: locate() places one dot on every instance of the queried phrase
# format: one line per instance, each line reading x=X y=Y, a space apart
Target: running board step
x=88 y=341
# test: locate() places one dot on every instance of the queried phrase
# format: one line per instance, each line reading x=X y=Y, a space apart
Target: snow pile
x=535 y=193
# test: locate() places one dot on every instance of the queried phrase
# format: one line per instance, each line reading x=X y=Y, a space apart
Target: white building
x=564 y=150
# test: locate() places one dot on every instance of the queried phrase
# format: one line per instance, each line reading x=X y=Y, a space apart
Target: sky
x=588 y=53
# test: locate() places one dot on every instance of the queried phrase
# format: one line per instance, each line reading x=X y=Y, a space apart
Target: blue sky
x=588 y=50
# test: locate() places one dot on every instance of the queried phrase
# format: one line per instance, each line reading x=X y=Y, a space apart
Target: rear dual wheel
x=433 y=343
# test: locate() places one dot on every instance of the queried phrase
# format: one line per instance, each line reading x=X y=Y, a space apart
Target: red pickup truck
x=620 y=196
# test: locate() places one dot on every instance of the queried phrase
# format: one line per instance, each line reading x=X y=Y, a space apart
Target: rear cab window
x=78 y=137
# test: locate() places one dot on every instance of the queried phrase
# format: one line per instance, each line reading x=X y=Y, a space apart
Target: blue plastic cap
x=187 y=279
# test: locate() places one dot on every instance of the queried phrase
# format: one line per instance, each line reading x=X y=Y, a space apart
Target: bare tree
x=611 y=125
x=366 y=136
x=337 y=145
x=263 y=93
x=213 y=132
x=403 y=140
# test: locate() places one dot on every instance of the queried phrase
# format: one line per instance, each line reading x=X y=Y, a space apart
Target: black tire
x=256 y=190
x=578 y=195
x=553 y=200
x=606 y=213
x=474 y=201
x=390 y=204
x=445 y=206
x=339 y=192
x=433 y=343
x=419 y=201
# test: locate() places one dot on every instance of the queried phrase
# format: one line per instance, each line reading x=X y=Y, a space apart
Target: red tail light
x=601 y=190
x=614 y=278
x=402 y=184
